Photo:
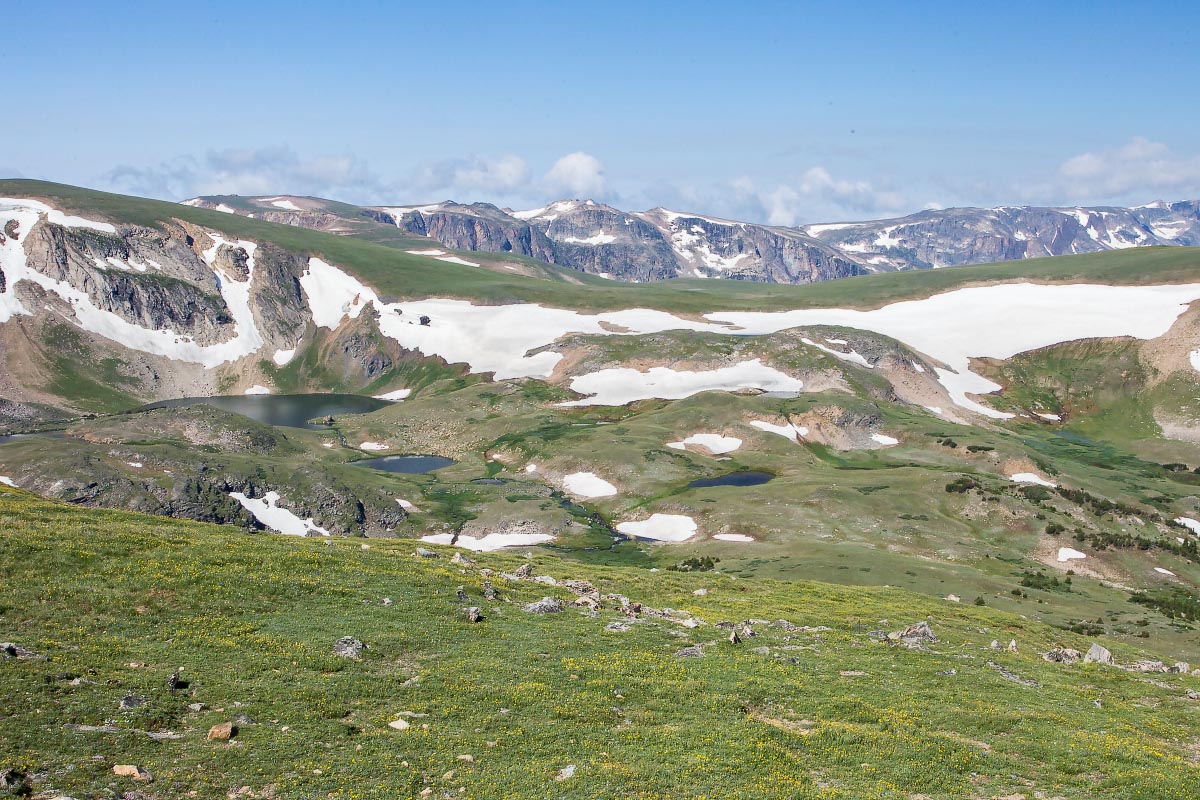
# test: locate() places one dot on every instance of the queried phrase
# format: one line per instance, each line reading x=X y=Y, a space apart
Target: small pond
x=733 y=479
x=285 y=410
x=409 y=465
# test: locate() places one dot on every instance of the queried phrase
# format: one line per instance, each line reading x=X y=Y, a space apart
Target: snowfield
x=1189 y=523
x=977 y=322
x=716 y=444
x=885 y=440
x=995 y=322
x=394 y=397
x=1069 y=554
x=621 y=385
x=277 y=519
x=588 y=484
x=661 y=527
x=490 y=542
x=733 y=537
x=793 y=432
x=1029 y=477
x=7 y=481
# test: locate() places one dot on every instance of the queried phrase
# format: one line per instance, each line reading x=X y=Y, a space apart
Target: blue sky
x=781 y=112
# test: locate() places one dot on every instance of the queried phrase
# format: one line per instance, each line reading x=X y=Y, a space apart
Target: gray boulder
x=1098 y=654
x=348 y=647
x=547 y=605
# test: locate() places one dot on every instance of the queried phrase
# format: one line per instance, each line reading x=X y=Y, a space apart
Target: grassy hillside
x=396 y=274
x=562 y=705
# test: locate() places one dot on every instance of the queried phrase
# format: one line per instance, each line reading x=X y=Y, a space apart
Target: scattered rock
x=467 y=757
x=1012 y=646
x=10 y=650
x=400 y=724
x=1179 y=668
x=132 y=771
x=175 y=682
x=196 y=706
x=1062 y=655
x=1012 y=676
x=462 y=596
x=425 y=553
x=919 y=630
x=1098 y=654
x=733 y=637
x=524 y=571
x=387 y=601
x=348 y=647
x=489 y=592
x=1147 y=665
x=15 y=783
x=545 y=579
x=222 y=732
x=473 y=614
x=131 y=701
x=547 y=605
x=244 y=719
x=582 y=588
x=700 y=592
x=1192 y=694
x=694 y=651
x=616 y=627
x=566 y=773
x=953 y=598
x=459 y=558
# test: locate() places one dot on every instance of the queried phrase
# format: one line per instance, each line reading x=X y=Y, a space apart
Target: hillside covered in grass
x=633 y=689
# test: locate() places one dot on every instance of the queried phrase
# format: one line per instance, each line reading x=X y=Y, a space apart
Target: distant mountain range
x=661 y=244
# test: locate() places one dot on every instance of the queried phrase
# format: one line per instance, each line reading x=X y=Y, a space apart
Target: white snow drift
x=715 y=443
x=1029 y=477
x=277 y=519
x=789 y=431
x=394 y=397
x=588 y=484
x=620 y=385
x=1069 y=554
x=492 y=541
x=661 y=527
x=733 y=537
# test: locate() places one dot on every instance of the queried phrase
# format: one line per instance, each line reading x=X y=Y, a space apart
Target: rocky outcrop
x=660 y=244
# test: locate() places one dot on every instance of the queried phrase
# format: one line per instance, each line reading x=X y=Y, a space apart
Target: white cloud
x=252 y=171
x=577 y=174
x=1137 y=170
x=469 y=179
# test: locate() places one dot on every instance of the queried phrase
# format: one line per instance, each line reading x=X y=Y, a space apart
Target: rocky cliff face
x=661 y=244
x=958 y=236
x=654 y=245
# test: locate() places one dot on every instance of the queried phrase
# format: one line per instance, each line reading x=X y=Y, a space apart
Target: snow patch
x=620 y=385
x=1189 y=523
x=286 y=205
x=661 y=527
x=1162 y=571
x=257 y=389
x=373 y=446
x=883 y=439
x=1069 y=554
x=1029 y=477
x=7 y=481
x=493 y=541
x=789 y=431
x=715 y=443
x=588 y=484
x=407 y=506
x=277 y=519
x=1046 y=415
x=282 y=357
x=733 y=537
x=395 y=396
x=594 y=239
x=852 y=356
